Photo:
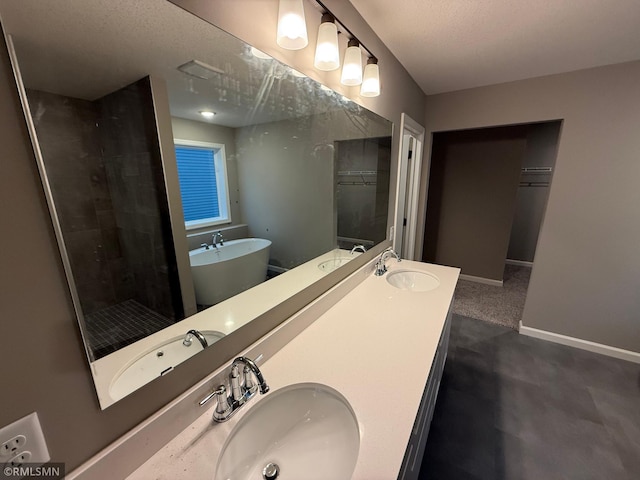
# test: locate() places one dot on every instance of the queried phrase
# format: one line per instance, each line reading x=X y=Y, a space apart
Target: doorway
x=487 y=195
x=408 y=187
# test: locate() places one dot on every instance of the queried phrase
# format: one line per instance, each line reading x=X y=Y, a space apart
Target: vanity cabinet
x=418 y=441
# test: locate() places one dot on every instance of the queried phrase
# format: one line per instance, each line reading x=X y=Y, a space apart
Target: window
x=203 y=183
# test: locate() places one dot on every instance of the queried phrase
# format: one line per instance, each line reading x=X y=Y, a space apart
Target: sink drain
x=270 y=471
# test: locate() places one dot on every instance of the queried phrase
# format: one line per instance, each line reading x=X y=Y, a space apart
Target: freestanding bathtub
x=222 y=272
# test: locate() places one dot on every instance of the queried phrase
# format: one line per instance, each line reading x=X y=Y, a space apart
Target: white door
x=409 y=165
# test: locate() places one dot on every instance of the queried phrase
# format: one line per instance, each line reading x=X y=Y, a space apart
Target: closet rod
x=537 y=169
x=356 y=173
x=358 y=183
x=534 y=184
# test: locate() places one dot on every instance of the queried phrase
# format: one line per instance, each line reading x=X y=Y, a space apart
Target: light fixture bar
x=342 y=28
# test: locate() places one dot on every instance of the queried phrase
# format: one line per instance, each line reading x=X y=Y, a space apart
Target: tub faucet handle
x=218 y=234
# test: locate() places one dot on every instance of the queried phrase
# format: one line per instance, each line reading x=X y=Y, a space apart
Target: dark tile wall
x=131 y=154
x=362 y=209
x=67 y=130
x=104 y=166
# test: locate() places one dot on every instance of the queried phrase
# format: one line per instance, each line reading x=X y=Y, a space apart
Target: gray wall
x=286 y=188
x=55 y=378
x=286 y=181
x=472 y=197
x=531 y=201
x=585 y=280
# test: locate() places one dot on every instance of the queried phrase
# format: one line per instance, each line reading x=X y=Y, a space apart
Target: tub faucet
x=218 y=234
x=381 y=268
x=241 y=393
x=358 y=247
x=195 y=333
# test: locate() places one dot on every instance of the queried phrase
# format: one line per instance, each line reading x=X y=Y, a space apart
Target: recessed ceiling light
x=207 y=113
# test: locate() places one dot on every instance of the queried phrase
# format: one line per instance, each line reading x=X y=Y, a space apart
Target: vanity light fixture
x=371 y=81
x=327 y=52
x=292 y=26
x=292 y=34
x=207 y=113
x=352 y=67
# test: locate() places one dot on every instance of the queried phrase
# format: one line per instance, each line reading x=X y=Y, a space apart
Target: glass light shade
x=352 y=67
x=327 y=52
x=292 y=27
x=371 y=81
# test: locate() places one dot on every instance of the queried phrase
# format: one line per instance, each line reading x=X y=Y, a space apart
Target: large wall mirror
x=194 y=182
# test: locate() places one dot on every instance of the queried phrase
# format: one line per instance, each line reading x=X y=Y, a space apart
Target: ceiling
x=89 y=48
x=449 y=45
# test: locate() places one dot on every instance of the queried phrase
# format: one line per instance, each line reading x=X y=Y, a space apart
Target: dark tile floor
x=117 y=326
x=514 y=407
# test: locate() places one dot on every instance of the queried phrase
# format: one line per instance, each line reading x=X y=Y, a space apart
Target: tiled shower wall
x=67 y=130
x=104 y=166
x=133 y=163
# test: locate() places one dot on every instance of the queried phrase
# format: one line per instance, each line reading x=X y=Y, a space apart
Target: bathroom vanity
x=380 y=346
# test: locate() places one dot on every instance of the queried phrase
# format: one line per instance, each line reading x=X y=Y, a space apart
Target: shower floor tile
x=120 y=325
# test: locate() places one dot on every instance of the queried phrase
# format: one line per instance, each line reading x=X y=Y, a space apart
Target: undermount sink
x=304 y=430
x=156 y=362
x=413 y=281
x=330 y=265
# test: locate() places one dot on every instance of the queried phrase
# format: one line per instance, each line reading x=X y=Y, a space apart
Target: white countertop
x=225 y=317
x=375 y=340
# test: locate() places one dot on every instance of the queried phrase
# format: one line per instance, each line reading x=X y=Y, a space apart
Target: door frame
x=408 y=187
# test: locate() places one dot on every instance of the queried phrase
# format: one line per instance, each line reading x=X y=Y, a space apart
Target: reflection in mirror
x=183 y=172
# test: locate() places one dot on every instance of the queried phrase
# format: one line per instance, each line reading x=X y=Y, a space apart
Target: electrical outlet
x=19 y=459
x=23 y=441
x=12 y=446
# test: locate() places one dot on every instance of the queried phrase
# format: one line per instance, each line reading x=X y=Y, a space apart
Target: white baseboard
x=520 y=263
x=486 y=281
x=608 y=350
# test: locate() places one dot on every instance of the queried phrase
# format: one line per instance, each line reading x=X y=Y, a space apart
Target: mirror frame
x=229 y=346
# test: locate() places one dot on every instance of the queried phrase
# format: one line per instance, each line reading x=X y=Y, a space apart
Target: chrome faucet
x=218 y=234
x=195 y=333
x=358 y=247
x=381 y=268
x=241 y=390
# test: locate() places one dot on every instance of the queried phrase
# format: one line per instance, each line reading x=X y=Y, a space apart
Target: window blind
x=197 y=177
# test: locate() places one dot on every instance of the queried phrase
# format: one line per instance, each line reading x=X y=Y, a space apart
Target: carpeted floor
x=500 y=305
